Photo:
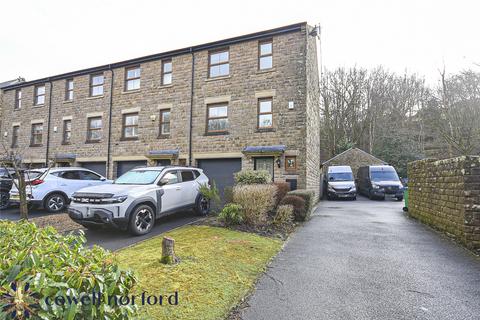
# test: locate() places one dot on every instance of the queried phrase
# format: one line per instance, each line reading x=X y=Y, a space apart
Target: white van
x=339 y=183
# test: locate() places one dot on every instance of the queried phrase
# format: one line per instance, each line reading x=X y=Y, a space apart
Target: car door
x=172 y=191
x=70 y=181
x=91 y=178
x=189 y=187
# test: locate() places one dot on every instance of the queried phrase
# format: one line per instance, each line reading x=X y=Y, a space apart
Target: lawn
x=218 y=268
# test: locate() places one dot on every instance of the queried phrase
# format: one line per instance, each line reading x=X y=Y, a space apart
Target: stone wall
x=445 y=194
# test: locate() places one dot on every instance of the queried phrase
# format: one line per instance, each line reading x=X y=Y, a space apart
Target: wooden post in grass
x=168 y=252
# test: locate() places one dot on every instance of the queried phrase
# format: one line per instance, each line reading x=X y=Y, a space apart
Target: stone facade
x=445 y=194
x=353 y=157
x=292 y=84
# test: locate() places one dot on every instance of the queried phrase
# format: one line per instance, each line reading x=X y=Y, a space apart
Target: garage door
x=124 y=166
x=221 y=171
x=98 y=167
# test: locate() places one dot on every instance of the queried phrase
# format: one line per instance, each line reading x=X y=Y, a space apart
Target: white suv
x=138 y=197
x=54 y=187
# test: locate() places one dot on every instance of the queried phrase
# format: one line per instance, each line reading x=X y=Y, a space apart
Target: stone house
x=248 y=102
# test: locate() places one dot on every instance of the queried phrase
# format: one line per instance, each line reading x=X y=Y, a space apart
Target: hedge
x=308 y=196
x=253 y=177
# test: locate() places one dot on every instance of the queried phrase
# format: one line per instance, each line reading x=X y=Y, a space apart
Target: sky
x=43 y=38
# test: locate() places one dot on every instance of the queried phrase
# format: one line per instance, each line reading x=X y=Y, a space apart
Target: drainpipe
x=48 y=121
x=109 y=139
x=191 y=110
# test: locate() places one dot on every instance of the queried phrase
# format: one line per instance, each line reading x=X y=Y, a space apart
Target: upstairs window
x=218 y=63
x=94 y=129
x=37 y=134
x=18 y=99
x=265 y=114
x=265 y=55
x=96 y=84
x=167 y=72
x=15 y=132
x=130 y=126
x=69 y=90
x=39 y=95
x=217 y=118
x=165 y=122
x=132 y=78
x=67 y=131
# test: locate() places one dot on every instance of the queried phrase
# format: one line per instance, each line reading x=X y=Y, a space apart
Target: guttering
x=49 y=118
x=109 y=139
x=168 y=54
x=192 y=82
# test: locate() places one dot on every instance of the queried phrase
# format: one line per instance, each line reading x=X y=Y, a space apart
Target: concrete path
x=367 y=260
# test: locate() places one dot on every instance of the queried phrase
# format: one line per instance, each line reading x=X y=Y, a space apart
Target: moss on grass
x=217 y=268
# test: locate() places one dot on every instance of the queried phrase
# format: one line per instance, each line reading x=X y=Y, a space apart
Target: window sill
x=164 y=86
x=220 y=133
x=260 y=71
x=132 y=91
x=163 y=136
x=259 y=130
x=93 y=141
x=218 y=78
x=67 y=101
x=95 y=97
x=38 y=105
x=36 y=145
x=128 y=139
x=17 y=109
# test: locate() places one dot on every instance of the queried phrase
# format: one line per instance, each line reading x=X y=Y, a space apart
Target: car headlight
x=375 y=186
x=353 y=189
x=118 y=199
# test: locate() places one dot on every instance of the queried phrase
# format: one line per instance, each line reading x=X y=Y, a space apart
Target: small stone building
x=353 y=157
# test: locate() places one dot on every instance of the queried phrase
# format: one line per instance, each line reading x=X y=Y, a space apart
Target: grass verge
x=218 y=268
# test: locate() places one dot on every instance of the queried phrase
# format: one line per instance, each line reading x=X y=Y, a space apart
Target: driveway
x=13 y=213
x=368 y=260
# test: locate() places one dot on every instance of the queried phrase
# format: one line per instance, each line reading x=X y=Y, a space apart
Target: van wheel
x=142 y=220
x=202 y=206
x=55 y=203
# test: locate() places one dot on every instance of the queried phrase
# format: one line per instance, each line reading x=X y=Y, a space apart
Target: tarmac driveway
x=367 y=260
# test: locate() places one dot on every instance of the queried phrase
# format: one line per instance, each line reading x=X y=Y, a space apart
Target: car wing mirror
x=103 y=179
x=163 y=181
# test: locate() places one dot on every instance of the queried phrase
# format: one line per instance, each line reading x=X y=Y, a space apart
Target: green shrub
x=210 y=192
x=253 y=177
x=308 y=196
x=228 y=194
x=298 y=204
x=231 y=214
x=283 y=216
x=282 y=189
x=256 y=201
x=43 y=264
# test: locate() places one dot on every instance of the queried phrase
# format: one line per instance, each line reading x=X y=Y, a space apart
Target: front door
x=264 y=163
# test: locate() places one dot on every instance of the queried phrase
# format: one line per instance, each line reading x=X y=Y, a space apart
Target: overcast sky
x=43 y=38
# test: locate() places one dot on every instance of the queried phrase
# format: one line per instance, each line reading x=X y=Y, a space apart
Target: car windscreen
x=340 y=176
x=383 y=175
x=3 y=173
x=138 y=177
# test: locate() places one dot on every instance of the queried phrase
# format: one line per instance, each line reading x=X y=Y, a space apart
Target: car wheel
x=399 y=198
x=354 y=198
x=55 y=203
x=202 y=206
x=142 y=220
x=4 y=200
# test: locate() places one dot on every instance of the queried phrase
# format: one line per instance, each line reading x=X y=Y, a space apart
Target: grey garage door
x=221 y=171
x=98 y=167
x=124 y=166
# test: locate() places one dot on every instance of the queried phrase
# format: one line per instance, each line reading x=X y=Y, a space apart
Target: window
x=187 y=175
x=165 y=122
x=132 y=78
x=290 y=163
x=130 y=126
x=217 y=120
x=265 y=115
x=39 y=95
x=264 y=163
x=171 y=176
x=70 y=175
x=94 y=129
x=18 y=99
x=37 y=133
x=265 y=55
x=69 y=90
x=166 y=72
x=218 y=63
x=67 y=131
x=163 y=162
x=15 y=131
x=96 y=85
x=87 y=175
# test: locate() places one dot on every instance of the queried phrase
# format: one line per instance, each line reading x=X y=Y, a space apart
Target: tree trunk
x=22 y=192
x=168 y=252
